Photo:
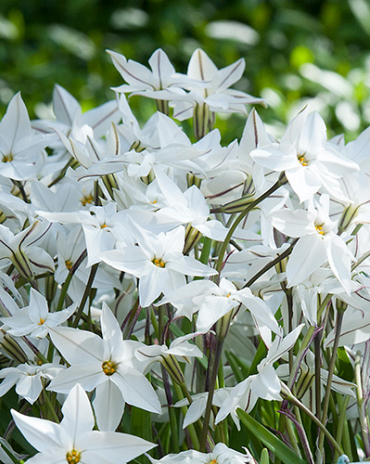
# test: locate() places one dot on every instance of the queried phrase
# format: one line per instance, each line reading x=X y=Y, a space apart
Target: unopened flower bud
x=193 y=180
x=22 y=264
x=341 y=306
x=223 y=325
x=204 y=120
x=347 y=217
x=110 y=183
x=172 y=366
x=236 y=206
x=11 y=347
x=305 y=380
x=192 y=237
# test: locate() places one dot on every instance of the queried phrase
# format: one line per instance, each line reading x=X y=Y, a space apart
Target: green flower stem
x=281 y=181
x=317 y=344
x=271 y=264
x=50 y=407
x=191 y=429
x=292 y=437
x=93 y=271
x=361 y=405
x=325 y=406
x=342 y=406
x=286 y=393
x=154 y=322
x=63 y=292
x=206 y=250
x=211 y=391
x=66 y=283
x=171 y=413
x=307 y=340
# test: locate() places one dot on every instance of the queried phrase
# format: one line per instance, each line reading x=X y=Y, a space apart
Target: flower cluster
x=147 y=267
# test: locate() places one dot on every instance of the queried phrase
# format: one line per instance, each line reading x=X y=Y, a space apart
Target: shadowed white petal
x=119 y=447
x=42 y=434
x=108 y=406
x=111 y=331
x=77 y=346
x=88 y=376
x=136 y=389
x=307 y=256
x=78 y=416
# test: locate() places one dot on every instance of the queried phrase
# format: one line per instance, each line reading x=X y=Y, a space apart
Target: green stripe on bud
x=173 y=368
x=10 y=347
x=236 y=206
x=347 y=217
x=192 y=237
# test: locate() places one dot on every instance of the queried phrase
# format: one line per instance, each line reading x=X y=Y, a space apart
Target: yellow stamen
x=213 y=461
x=227 y=296
x=68 y=264
x=41 y=321
x=8 y=158
x=103 y=226
x=109 y=367
x=73 y=457
x=87 y=199
x=320 y=230
x=302 y=160
x=159 y=262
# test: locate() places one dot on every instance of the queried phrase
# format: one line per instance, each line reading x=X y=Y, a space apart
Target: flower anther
x=68 y=264
x=87 y=199
x=158 y=262
x=73 y=457
x=320 y=229
x=41 y=321
x=109 y=367
x=8 y=158
x=302 y=160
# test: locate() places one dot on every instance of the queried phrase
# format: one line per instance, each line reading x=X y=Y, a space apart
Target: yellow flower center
x=41 y=321
x=87 y=199
x=103 y=226
x=68 y=264
x=8 y=158
x=109 y=367
x=73 y=457
x=302 y=160
x=213 y=461
x=159 y=262
x=320 y=230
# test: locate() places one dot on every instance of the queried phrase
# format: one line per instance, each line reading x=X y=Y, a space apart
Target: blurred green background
x=296 y=52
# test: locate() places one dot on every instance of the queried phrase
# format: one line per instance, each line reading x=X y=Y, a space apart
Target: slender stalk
x=171 y=412
x=325 y=408
x=288 y=395
x=191 y=429
x=85 y=295
x=50 y=408
x=361 y=405
x=318 y=372
x=342 y=405
x=211 y=391
x=281 y=181
x=63 y=293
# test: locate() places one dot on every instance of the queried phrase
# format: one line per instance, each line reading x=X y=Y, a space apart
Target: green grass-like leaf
x=282 y=451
